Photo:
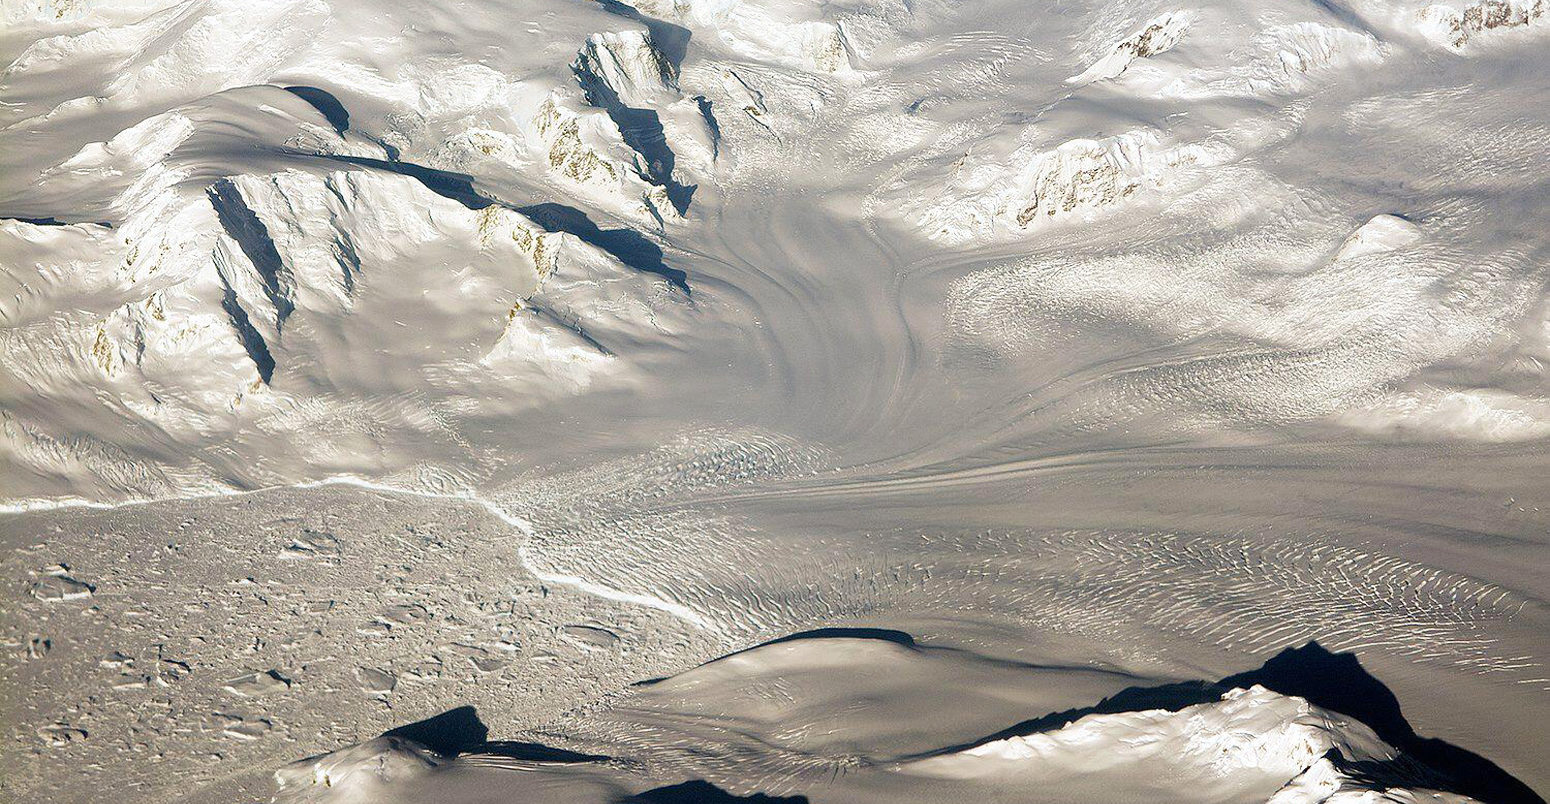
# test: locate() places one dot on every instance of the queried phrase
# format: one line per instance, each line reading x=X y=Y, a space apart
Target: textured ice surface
x=854 y=713
x=362 y=361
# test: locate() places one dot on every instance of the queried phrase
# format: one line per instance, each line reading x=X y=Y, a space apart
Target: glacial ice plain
x=718 y=400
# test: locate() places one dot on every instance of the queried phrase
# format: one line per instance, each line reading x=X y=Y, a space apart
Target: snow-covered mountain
x=848 y=700
x=363 y=358
x=214 y=215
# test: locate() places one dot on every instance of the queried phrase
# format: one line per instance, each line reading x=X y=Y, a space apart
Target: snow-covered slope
x=541 y=190
x=1251 y=738
x=234 y=256
x=510 y=351
x=1242 y=744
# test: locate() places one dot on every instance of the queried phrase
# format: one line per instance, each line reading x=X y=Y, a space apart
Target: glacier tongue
x=358 y=356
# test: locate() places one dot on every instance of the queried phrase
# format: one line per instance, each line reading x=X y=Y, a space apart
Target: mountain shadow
x=671 y=40
x=457 y=186
x=1333 y=681
x=52 y=221
x=460 y=731
x=883 y=634
x=327 y=105
x=1339 y=683
x=626 y=245
x=450 y=733
x=703 y=792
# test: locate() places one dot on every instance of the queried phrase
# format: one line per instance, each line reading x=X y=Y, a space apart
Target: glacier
x=759 y=400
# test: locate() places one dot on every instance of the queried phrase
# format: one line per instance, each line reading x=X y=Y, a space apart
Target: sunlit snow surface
x=462 y=402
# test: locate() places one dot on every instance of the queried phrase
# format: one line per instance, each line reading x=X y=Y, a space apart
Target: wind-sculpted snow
x=1034 y=363
x=1232 y=741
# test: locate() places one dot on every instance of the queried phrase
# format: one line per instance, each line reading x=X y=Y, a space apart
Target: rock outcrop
x=1457 y=27
x=1156 y=37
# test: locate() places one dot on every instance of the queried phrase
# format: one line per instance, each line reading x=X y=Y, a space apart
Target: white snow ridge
x=770 y=401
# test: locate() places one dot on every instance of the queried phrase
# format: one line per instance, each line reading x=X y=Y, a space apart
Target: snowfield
x=764 y=400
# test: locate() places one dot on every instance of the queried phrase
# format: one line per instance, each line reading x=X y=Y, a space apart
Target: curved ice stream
x=364 y=359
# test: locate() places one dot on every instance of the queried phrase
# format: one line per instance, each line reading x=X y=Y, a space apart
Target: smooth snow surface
x=397 y=395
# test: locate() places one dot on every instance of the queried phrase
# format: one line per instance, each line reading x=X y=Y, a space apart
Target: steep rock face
x=265 y=251
x=150 y=207
x=247 y=262
x=586 y=148
x=628 y=76
x=1251 y=739
x=539 y=345
x=177 y=339
x=330 y=233
x=330 y=229
x=1030 y=186
x=560 y=335
x=1156 y=37
x=1457 y=27
x=1081 y=174
x=218 y=283
x=192 y=339
x=626 y=65
x=541 y=129
x=441 y=112
x=185 y=288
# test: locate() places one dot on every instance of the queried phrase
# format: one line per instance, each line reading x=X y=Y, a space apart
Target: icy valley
x=774 y=401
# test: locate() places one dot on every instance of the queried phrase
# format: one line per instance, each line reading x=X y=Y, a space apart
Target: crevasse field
x=477 y=401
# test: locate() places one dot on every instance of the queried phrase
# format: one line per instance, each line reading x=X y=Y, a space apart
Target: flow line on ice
x=578 y=583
